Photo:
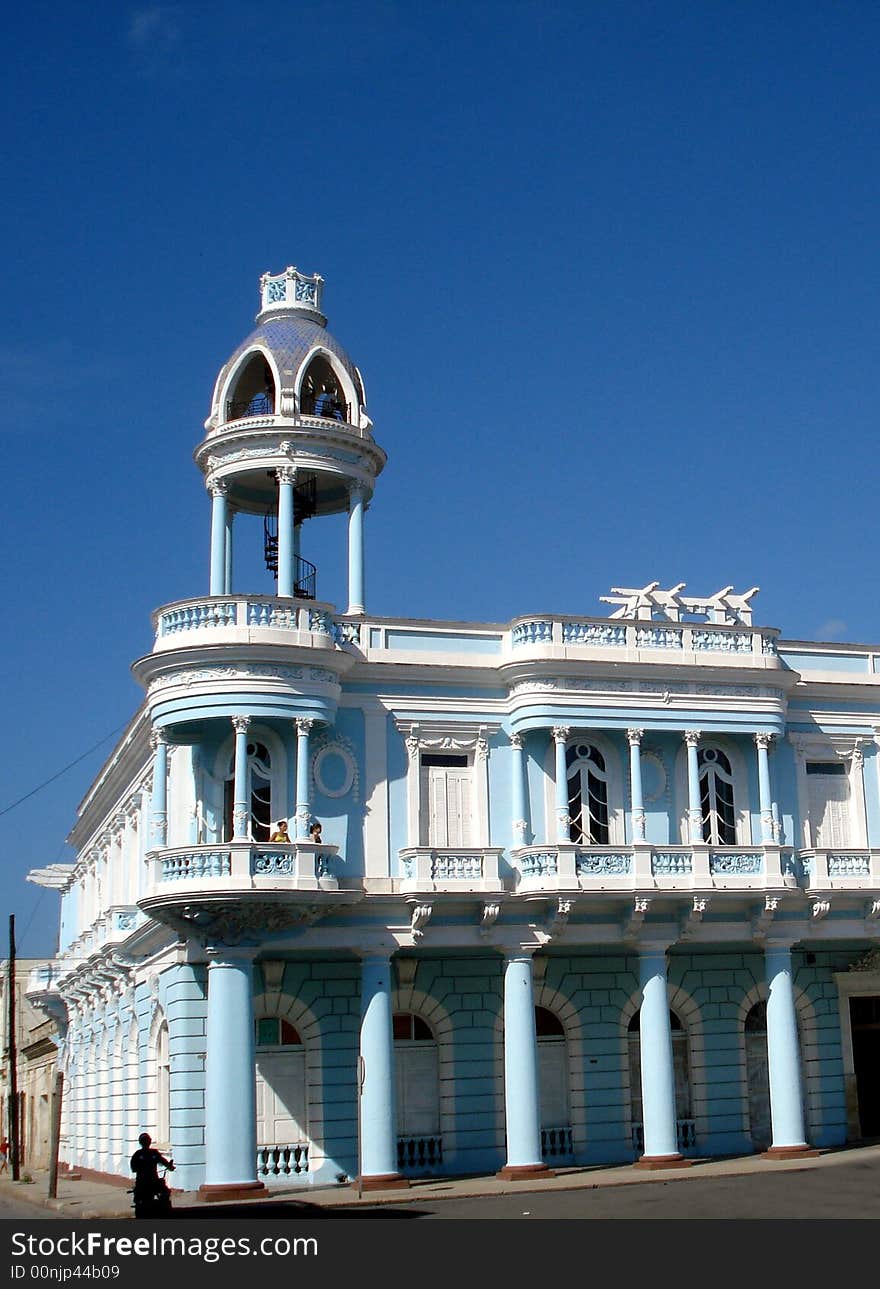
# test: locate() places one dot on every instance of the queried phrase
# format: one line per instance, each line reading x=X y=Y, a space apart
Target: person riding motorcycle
x=151 y=1193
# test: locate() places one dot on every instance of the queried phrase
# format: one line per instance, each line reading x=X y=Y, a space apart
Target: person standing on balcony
x=281 y=834
x=315 y=832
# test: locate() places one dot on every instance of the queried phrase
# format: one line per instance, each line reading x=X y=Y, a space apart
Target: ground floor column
x=377 y=1117
x=522 y=1104
x=657 y=1069
x=230 y=1090
x=783 y=1057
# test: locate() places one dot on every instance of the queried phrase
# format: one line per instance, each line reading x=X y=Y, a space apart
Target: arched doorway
x=758 y=1077
x=684 y=1115
x=282 y=1131
x=553 y=1085
x=417 y=1079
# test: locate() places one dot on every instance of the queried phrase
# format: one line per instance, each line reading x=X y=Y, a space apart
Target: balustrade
x=431 y=868
x=282 y=1161
x=247 y=865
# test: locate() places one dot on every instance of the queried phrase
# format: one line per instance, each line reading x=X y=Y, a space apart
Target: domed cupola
x=289 y=437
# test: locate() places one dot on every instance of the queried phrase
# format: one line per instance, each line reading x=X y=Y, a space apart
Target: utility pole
x=13 y=1057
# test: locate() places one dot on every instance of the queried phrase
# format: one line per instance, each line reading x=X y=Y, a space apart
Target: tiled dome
x=290 y=338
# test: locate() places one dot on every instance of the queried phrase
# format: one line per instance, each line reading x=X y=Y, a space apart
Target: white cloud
x=832 y=629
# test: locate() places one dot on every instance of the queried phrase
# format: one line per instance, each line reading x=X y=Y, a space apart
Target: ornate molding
x=561 y=733
x=241 y=724
x=692 y=737
x=634 y=737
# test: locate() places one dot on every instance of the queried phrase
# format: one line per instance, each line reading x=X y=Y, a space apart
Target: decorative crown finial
x=291 y=290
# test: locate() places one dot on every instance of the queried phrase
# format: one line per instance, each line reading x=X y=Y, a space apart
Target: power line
x=52 y=779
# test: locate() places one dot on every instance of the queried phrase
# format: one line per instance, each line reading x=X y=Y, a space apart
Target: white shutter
x=553 y=1082
x=281 y=1098
x=418 y=1096
x=459 y=807
x=438 y=819
x=829 y=810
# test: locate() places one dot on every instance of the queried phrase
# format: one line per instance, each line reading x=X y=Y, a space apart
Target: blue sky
x=610 y=272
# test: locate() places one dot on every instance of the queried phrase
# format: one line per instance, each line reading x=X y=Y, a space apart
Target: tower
x=289 y=438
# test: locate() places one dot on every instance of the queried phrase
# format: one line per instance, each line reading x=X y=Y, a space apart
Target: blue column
x=303 y=808
x=240 y=803
x=356 y=550
x=783 y=1055
x=378 y=1126
x=286 y=577
x=522 y=1106
x=658 y=1072
x=159 y=805
x=230 y=515
x=765 y=794
x=563 y=819
x=218 y=538
x=695 y=807
x=230 y=1100
x=518 y=792
x=637 y=804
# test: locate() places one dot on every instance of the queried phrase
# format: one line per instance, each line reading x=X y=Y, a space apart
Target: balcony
x=454 y=870
x=244 y=866
x=565 y=866
x=228 y=619
x=642 y=641
x=845 y=869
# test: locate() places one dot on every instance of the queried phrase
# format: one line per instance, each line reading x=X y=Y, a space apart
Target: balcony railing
x=259 y=405
x=556 y=1143
x=325 y=406
x=565 y=866
x=228 y=613
x=422 y=1153
x=453 y=868
x=845 y=868
x=279 y=1163
x=685 y=1131
x=563 y=637
x=245 y=865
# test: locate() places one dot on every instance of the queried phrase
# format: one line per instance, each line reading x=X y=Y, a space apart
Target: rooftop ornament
x=653 y=604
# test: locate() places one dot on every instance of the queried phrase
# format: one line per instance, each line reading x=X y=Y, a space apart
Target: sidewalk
x=99 y=1199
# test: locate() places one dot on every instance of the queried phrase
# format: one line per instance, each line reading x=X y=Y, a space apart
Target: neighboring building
x=36 y=1051
x=589 y=889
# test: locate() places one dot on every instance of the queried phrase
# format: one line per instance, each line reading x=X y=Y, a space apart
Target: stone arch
x=237 y=376
x=318 y=363
x=406 y=998
x=572 y=1023
x=292 y=1009
x=155 y=1089
x=687 y=1009
x=808 y=1042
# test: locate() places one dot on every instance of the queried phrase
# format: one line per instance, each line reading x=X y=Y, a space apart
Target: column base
x=524 y=1172
x=382 y=1182
x=789 y=1152
x=231 y=1190
x=651 y=1162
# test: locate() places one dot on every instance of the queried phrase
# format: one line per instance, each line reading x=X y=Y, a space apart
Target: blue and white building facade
x=587 y=888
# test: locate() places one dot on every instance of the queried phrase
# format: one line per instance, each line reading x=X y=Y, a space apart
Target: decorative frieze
x=737 y=864
x=605 y=865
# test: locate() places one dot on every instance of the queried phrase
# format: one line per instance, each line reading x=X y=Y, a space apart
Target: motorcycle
x=152 y=1198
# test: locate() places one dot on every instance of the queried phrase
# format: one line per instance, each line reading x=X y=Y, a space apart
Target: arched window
x=553 y=1085
x=321 y=393
x=716 y=797
x=681 y=1069
x=254 y=392
x=259 y=790
x=280 y=1073
x=417 y=1079
x=275 y=1031
x=587 y=794
x=163 y=1086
